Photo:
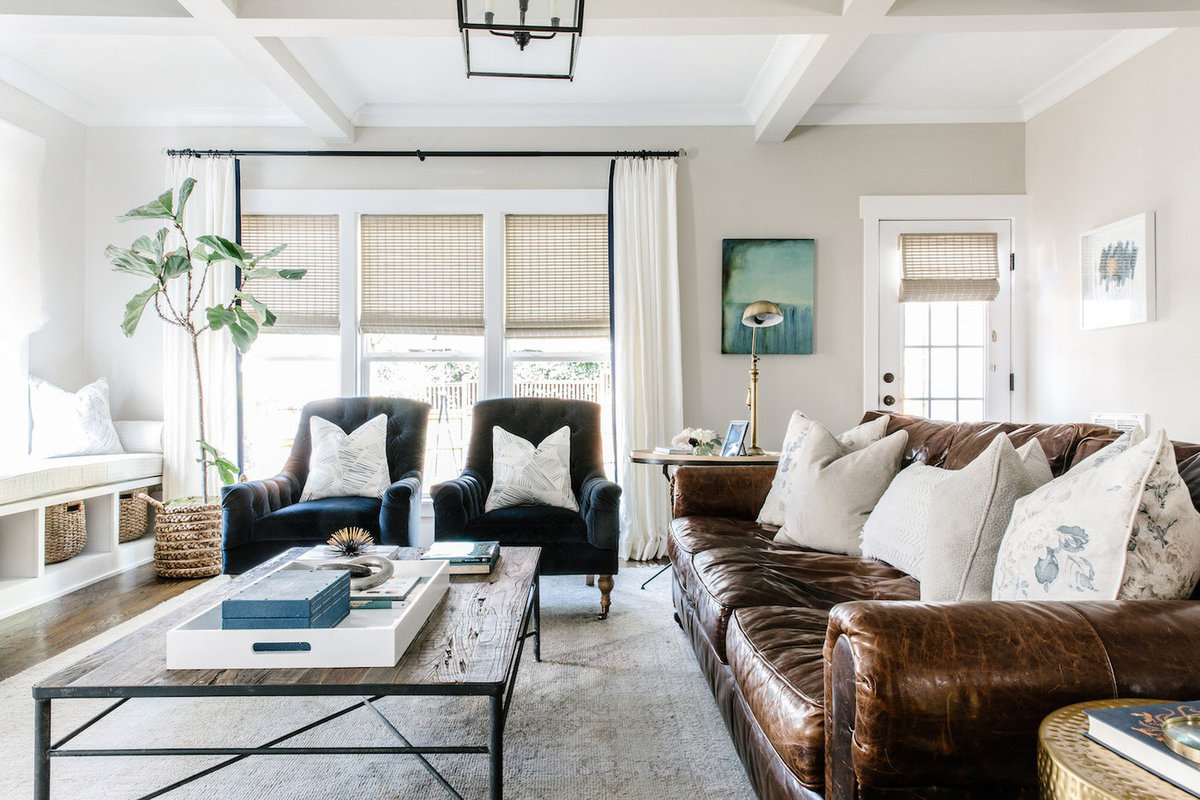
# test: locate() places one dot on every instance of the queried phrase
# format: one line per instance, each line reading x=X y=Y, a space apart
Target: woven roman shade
x=309 y=305
x=556 y=275
x=948 y=266
x=421 y=273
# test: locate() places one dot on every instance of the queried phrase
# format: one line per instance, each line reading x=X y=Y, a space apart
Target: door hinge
x=1012 y=262
x=1012 y=382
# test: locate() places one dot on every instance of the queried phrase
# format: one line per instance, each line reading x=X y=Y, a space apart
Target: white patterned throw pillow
x=524 y=475
x=856 y=438
x=1119 y=525
x=71 y=423
x=347 y=464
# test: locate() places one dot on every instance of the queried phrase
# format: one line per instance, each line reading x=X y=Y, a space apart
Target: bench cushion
x=30 y=478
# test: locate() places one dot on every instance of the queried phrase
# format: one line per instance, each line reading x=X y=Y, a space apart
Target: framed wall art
x=1117 y=273
x=779 y=270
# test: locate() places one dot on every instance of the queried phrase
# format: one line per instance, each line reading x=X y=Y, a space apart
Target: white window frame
x=874 y=209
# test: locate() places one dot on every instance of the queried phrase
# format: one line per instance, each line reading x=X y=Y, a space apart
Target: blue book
x=290 y=594
x=1135 y=733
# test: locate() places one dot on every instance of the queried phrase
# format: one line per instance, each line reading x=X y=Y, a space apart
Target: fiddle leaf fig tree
x=177 y=279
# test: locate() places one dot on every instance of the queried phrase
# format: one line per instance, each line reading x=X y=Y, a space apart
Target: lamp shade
x=762 y=314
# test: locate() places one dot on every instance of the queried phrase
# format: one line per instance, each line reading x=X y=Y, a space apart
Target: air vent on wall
x=1120 y=421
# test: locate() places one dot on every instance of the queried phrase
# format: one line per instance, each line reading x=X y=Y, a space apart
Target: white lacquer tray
x=375 y=637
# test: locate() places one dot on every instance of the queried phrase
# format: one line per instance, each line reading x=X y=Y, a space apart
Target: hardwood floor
x=49 y=629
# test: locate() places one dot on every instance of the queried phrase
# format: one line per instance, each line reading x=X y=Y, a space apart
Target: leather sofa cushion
x=1058 y=441
x=776 y=657
x=314 y=520
x=528 y=526
x=928 y=440
x=690 y=535
x=729 y=578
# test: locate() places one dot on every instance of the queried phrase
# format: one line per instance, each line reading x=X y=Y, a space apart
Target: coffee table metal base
x=499 y=696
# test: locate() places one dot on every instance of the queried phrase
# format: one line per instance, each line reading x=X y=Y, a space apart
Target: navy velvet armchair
x=264 y=518
x=580 y=542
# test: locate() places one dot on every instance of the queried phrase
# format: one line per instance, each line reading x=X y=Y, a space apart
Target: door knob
x=888 y=377
x=888 y=400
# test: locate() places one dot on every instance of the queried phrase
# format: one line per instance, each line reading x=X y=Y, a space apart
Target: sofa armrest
x=243 y=503
x=720 y=491
x=400 y=515
x=455 y=503
x=951 y=694
x=600 y=506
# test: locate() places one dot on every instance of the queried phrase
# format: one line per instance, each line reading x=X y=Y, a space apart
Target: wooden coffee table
x=470 y=646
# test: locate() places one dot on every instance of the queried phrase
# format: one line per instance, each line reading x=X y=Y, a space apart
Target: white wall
x=56 y=350
x=1125 y=144
x=729 y=187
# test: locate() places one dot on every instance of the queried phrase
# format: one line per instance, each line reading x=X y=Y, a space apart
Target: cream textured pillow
x=71 y=423
x=895 y=530
x=967 y=519
x=1119 y=525
x=798 y=426
x=347 y=464
x=831 y=492
x=1033 y=456
x=523 y=475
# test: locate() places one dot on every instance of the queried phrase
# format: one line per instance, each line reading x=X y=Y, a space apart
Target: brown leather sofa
x=836 y=681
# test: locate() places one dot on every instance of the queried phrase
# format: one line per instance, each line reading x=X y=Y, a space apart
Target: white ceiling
x=334 y=65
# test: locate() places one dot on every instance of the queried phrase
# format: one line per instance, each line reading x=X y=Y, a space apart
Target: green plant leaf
x=258 y=273
x=258 y=309
x=132 y=263
x=151 y=247
x=274 y=251
x=176 y=264
x=219 y=317
x=185 y=191
x=212 y=457
x=244 y=331
x=227 y=250
x=159 y=208
x=135 y=307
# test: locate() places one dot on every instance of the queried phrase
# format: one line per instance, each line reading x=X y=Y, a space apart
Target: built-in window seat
x=29 y=486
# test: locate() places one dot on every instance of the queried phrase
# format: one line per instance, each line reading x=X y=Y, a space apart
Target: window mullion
x=496 y=375
x=350 y=373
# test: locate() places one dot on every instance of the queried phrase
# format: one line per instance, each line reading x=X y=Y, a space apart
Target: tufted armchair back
x=406 y=425
x=533 y=419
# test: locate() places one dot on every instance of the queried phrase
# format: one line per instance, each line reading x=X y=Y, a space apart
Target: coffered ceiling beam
x=814 y=66
x=273 y=64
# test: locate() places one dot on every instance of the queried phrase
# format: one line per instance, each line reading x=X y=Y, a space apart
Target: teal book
x=1135 y=733
x=304 y=599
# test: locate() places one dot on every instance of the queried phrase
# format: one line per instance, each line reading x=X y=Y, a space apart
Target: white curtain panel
x=22 y=160
x=211 y=210
x=648 y=365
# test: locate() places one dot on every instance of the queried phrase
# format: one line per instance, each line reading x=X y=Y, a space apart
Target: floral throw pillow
x=1120 y=525
x=799 y=425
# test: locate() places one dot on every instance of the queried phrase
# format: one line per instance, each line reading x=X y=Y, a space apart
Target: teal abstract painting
x=779 y=270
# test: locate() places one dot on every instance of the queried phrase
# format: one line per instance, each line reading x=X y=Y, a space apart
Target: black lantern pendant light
x=520 y=38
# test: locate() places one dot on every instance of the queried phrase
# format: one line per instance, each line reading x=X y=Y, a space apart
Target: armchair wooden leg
x=606 y=586
x=590 y=580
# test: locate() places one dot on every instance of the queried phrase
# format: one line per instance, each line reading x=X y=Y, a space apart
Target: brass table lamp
x=759 y=314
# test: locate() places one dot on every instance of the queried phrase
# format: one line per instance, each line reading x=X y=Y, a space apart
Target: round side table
x=1073 y=767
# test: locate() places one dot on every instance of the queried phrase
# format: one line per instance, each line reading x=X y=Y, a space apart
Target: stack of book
x=465 y=557
x=673 y=451
x=290 y=599
x=1136 y=733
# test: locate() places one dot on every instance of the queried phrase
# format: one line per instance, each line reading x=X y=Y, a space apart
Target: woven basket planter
x=187 y=539
x=133 y=515
x=66 y=531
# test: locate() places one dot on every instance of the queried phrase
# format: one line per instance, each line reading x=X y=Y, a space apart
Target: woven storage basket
x=187 y=539
x=66 y=531
x=134 y=515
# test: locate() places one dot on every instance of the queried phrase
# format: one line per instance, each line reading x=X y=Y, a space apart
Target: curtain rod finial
x=682 y=153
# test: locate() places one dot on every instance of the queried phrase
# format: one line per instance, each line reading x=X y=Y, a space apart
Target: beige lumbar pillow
x=968 y=516
x=798 y=427
x=832 y=491
x=1119 y=525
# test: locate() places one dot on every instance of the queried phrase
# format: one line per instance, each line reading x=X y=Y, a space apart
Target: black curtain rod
x=424 y=154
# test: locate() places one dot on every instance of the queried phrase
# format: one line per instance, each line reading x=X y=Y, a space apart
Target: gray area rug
x=616 y=709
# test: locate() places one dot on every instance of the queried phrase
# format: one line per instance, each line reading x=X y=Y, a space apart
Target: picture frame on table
x=735 y=438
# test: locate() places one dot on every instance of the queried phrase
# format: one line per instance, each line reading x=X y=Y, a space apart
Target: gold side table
x=1073 y=767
